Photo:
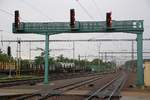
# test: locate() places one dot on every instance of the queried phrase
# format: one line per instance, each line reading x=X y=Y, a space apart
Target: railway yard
x=84 y=86
x=79 y=88
x=70 y=59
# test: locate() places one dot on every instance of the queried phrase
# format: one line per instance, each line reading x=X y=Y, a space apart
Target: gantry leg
x=140 y=69
x=46 y=59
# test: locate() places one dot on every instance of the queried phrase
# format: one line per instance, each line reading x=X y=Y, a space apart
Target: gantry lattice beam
x=129 y=26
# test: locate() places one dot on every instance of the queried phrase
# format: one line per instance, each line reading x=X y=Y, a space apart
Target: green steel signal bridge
x=129 y=26
x=51 y=28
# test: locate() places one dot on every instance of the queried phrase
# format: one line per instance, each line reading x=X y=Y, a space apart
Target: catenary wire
x=37 y=10
x=84 y=9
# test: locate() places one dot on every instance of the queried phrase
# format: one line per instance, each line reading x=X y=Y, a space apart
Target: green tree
x=96 y=61
x=60 y=58
x=4 y=57
x=39 y=60
x=25 y=64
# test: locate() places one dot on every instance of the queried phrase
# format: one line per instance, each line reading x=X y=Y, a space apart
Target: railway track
x=20 y=82
x=69 y=87
x=39 y=93
x=37 y=80
x=60 y=91
x=110 y=90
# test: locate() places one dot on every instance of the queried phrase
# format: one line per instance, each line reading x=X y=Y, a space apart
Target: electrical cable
x=4 y=11
x=12 y=15
x=37 y=10
x=84 y=9
x=97 y=8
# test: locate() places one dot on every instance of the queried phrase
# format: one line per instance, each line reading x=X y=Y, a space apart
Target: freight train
x=58 y=67
x=5 y=67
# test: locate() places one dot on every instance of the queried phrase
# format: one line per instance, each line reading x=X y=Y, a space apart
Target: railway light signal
x=72 y=18
x=9 y=51
x=17 y=19
x=18 y=41
x=108 y=19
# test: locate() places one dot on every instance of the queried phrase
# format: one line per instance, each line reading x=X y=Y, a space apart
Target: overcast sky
x=58 y=10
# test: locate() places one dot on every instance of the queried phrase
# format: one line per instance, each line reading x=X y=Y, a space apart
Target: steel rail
x=8 y=83
x=82 y=83
x=101 y=89
x=76 y=85
x=38 y=93
x=113 y=92
x=20 y=82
